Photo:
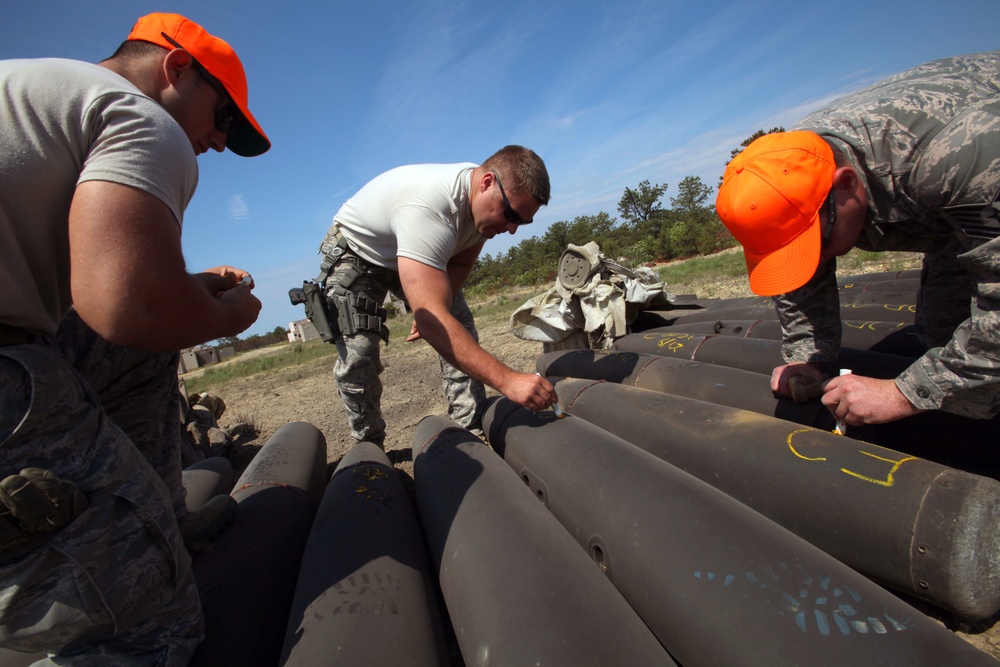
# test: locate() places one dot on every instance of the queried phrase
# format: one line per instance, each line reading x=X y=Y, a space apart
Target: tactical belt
x=351 y=312
x=11 y=335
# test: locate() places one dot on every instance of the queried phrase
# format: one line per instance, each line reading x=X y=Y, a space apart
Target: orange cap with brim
x=216 y=56
x=770 y=199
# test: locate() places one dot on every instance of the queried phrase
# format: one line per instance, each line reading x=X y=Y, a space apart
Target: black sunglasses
x=225 y=113
x=508 y=210
x=831 y=217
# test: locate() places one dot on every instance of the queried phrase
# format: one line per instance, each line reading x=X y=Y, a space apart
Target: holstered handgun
x=317 y=309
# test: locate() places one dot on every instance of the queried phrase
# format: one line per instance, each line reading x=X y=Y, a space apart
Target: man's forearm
x=450 y=339
x=810 y=318
x=167 y=319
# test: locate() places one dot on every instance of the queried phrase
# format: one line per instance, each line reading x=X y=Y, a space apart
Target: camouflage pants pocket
x=356 y=372
x=465 y=396
x=103 y=580
x=116 y=580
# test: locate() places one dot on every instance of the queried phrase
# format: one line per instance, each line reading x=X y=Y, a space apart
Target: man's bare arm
x=429 y=293
x=129 y=281
x=461 y=265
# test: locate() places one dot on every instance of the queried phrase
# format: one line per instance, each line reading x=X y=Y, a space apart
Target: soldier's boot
x=378 y=439
x=200 y=527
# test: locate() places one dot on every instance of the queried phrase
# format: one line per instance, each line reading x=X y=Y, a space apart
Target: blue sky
x=609 y=93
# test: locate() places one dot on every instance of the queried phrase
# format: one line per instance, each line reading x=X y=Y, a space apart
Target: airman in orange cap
x=97 y=165
x=911 y=163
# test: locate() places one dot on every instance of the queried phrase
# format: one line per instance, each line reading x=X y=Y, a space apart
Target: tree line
x=646 y=232
x=254 y=341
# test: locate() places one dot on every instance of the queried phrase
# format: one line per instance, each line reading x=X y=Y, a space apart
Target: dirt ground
x=412 y=391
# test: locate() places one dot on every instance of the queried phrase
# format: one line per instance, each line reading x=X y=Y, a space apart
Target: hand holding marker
x=841 y=427
x=555 y=406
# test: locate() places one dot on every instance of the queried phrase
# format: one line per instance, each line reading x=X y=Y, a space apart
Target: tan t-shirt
x=63 y=122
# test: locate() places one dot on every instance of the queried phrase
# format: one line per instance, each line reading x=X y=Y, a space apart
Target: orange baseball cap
x=770 y=199
x=216 y=56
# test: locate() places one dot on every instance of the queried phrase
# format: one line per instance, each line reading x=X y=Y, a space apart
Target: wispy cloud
x=238 y=209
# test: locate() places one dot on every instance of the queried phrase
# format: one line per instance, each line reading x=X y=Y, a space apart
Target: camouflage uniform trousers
x=138 y=390
x=359 y=363
x=114 y=586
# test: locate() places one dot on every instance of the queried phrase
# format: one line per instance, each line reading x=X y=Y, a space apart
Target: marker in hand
x=555 y=406
x=841 y=427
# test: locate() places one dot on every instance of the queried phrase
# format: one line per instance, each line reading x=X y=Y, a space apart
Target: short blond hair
x=521 y=170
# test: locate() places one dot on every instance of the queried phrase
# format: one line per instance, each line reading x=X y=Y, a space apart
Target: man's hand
x=225 y=283
x=782 y=374
x=531 y=391
x=220 y=279
x=861 y=400
x=414 y=334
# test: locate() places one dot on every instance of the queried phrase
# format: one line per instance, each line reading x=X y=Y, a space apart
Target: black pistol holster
x=314 y=298
x=343 y=312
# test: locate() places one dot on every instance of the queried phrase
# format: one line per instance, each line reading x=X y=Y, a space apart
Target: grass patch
x=295 y=354
x=399 y=327
x=864 y=261
x=254 y=423
x=730 y=265
x=501 y=306
x=700 y=269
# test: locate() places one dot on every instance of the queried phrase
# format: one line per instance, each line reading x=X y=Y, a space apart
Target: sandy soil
x=412 y=391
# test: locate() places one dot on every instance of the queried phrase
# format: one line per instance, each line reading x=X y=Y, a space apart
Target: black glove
x=804 y=388
x=34 y=504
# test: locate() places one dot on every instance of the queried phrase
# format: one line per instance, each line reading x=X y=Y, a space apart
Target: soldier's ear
x=845 y=178
x=851 y=188
x=486 y=180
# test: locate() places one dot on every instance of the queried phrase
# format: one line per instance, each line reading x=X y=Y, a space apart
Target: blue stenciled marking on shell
x=833 y=610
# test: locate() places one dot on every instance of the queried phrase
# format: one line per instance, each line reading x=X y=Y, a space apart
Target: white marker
x=841 y=427
x=555 y=406
x=247 y=280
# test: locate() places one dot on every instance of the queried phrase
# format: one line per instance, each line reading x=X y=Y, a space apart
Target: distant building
x=196 y=357
x=301 y=331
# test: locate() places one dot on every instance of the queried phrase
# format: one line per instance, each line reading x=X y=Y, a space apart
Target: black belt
x=331 y=257
x=11 y=335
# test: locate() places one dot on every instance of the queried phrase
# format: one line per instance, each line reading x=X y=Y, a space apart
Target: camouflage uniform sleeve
x=810 y=318
x=963 y=376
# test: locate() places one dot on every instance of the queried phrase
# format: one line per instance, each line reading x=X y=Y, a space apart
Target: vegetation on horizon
x=647 y=233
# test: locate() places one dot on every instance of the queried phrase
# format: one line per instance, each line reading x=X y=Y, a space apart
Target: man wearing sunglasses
x=913 y=164
x=97 y=165
x=420 y=228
